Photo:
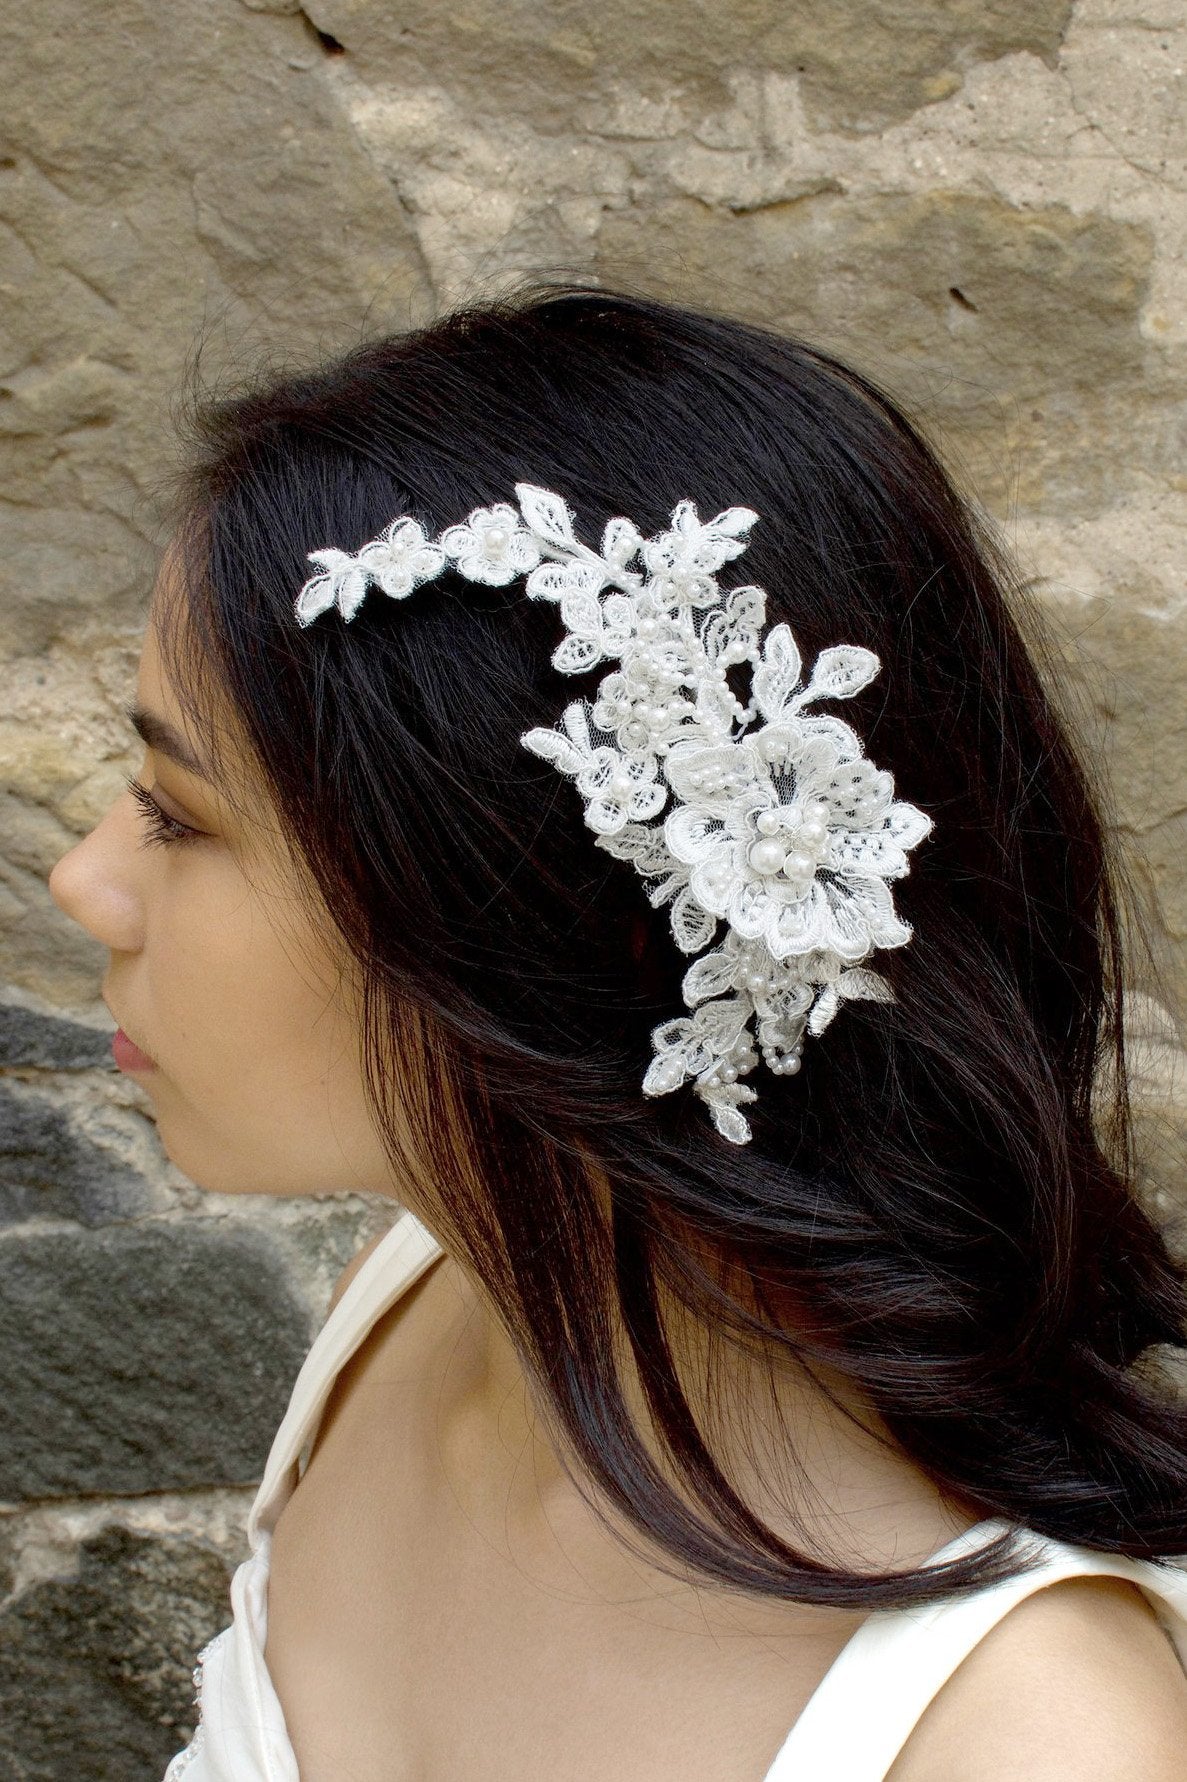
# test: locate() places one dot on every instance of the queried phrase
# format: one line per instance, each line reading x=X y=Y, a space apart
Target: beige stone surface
x=986 y=206
x=1012 y=330
x=166 y=170
x=859 y=67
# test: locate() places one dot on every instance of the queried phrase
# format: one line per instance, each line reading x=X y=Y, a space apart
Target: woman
x=703 y=1414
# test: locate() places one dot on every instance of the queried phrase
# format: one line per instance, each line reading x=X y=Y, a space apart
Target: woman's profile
x=599 y=793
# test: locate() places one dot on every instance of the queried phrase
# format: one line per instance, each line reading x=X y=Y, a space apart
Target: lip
x=127 y=1054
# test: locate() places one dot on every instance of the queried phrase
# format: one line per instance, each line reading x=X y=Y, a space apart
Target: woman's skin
x=501 y=1617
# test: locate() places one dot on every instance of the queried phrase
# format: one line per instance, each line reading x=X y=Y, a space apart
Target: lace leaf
x=692 y=926
x=736 y=521
x=840 y=672
x=550 y=745
x=548 y=516
x=577 y=654
x=778 y=674
x=317 y=596
x=620 y=542
x=556 y=581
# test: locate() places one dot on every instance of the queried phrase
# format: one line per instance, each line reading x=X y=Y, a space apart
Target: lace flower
x=684 y=561
x=618 y=788
x=761 y=817
x=401 y=558
x=492 y=546
x=764 y=816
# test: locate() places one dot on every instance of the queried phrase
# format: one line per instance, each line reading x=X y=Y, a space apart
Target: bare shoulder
x=1079 y=1681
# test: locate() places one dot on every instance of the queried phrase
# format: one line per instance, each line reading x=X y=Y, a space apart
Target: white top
x=892 y=1666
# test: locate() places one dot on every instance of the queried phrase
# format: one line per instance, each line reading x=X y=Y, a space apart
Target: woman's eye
x=159 y=826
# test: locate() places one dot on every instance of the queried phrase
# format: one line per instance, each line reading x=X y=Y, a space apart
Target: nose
x=95 y=883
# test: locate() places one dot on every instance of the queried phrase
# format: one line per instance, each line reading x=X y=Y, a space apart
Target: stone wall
x=985 y=205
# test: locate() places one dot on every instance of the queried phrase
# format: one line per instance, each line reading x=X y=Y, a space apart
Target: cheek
x=261 y=1083
x=242 y=996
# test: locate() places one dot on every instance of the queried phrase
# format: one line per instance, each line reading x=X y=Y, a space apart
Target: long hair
x=940 y=1207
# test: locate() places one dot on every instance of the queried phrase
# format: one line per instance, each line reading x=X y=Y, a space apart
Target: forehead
x=157 y=717
x=184 y=721
x=152 y=681
x=154 y=684
x=194 y=712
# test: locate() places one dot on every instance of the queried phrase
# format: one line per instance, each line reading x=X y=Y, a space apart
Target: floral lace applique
x=763 y=815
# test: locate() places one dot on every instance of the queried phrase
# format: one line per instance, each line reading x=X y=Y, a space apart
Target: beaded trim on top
x=775 y=822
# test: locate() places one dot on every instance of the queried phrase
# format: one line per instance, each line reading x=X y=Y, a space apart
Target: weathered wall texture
x=984 y=201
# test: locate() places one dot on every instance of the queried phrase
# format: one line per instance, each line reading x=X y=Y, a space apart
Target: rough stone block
x=861 y=65
x=141 y=1359
x=1121 y=671
x=175 y=172
x=50 y=1170
x=96 y=1671
x=1009 y=330
x=50 y=1042
x=43 y=548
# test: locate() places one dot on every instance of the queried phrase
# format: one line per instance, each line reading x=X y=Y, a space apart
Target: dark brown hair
x=941 y=1189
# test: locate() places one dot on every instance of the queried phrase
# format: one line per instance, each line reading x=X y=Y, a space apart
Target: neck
x=807 y=1455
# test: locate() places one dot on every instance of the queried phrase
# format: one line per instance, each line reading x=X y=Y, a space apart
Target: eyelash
x=161 y=828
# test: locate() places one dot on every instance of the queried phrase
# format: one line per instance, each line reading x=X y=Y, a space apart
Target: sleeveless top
x=890 y=1669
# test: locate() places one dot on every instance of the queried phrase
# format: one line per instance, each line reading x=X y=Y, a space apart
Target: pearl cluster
x=714 y=776
x=740 y=1058
x=805 y=825
x=651 y=687
x=783 y=1064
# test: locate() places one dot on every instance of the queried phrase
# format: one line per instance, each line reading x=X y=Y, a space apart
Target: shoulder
x=1078 y=1683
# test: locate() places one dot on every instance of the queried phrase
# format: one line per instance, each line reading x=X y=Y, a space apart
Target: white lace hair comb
x=775 y=822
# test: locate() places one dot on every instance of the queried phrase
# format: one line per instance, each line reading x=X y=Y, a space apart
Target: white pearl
x=813 y=831
x=817 y=809
x=647 y=628
x=765 y=856
x=496 y=537
x=791 y=1065
x=797 y=865
x=728 y=1074
x=756 y=981
x=768 y=823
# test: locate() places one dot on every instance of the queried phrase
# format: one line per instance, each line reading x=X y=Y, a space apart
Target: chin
x=212 y=1161
x=218 y=1171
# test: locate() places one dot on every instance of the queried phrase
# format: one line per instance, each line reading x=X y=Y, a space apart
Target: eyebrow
x=160 y=736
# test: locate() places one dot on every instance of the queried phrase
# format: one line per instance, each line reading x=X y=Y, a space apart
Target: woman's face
x=223 y=976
